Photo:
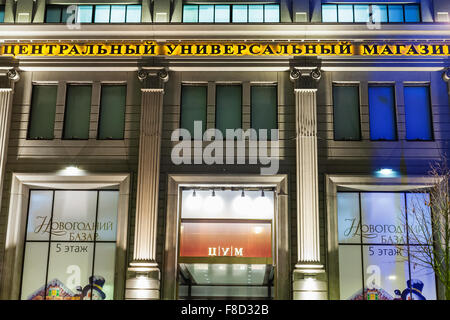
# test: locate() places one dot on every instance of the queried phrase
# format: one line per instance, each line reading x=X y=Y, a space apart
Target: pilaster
x=306 y=282
x=6 y=97
x=143 y=281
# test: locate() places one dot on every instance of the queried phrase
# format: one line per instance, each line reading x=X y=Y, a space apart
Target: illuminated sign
x=226 y=239
x=105 y=49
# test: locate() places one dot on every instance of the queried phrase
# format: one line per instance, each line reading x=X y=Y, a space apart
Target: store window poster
x=377 y=261
x=70 y=245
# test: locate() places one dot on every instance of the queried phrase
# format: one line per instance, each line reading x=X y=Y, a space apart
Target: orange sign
x=226 y=239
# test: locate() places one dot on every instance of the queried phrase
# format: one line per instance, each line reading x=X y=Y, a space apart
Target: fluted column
x=307 y=282
x=307 y=190
x=6 y=95
x=143 y=273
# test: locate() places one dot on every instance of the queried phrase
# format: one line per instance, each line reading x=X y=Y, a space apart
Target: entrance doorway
x=226 y=243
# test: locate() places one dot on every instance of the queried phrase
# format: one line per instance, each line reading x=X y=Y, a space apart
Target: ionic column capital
x=153 y=79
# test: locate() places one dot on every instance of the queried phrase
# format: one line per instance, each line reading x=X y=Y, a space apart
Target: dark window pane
x=53 y=14
x=43 y=108
x=264 y=108
x=68 y=14
x=78 y=110
x=418 y=113
x=193 y=107
x=395 y=13
x=412 y=13
x=382 y=113
x=346 y=113
x=228 y=107
x=2 y=14
x=112 y=112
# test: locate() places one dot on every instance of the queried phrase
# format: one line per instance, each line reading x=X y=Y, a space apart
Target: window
x=193 y=107
x=418 y=118
x=42 y=113
x=84 y=14
x=363 y=13
x=112 y=112
x=228 y=107
x=378 y=258
x=70 y=245
x=382 y=113
x=2 y=14
x=239 y=13
x=57 y=14
x=264 y=108
x=346 y=112
x=109 y=13
x=77 y=113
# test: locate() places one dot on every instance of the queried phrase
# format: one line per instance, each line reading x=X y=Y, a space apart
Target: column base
x=309 y=282
x=143 y=281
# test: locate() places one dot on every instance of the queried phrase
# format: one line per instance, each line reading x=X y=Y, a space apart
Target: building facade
x=115 y=185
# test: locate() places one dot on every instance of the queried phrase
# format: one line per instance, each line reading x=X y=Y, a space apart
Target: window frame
x=100 y=111
x=63 y=137
x=392 y=85
x=430 y=109
x=231 y=5
x=361 y=244
x=370 y=18
x=199 y=84
x=361 y=183
x=347 y=84
x=277 y=107
x=31 y=106
x=50 y=241
x=242 y=104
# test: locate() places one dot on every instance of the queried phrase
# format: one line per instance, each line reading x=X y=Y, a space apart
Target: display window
x=70 y=245
x=378 y=257
x=226 y=243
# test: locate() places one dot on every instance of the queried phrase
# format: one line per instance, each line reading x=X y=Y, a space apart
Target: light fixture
x=71 y=171
x=213 y=203
x=194 y=201
x=263 y=205
x=386 y=173
x=242 y=205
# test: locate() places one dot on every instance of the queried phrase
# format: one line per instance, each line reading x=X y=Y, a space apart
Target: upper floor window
x=239 y=13
x=2 y=13
x=374 y=13
x=94 y=13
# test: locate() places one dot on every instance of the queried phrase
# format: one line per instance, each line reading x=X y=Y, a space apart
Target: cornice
x=266 y=32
